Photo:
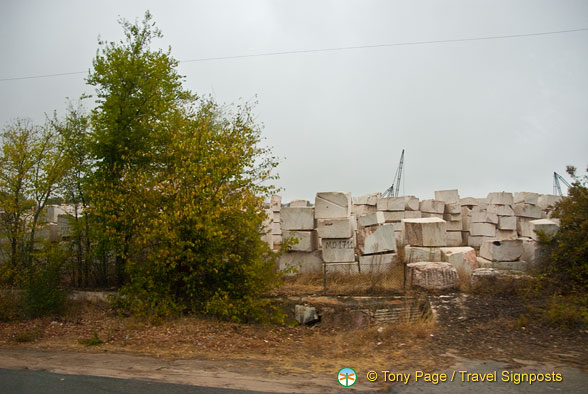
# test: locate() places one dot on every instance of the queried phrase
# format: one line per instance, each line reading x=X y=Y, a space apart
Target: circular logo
x=346 y=377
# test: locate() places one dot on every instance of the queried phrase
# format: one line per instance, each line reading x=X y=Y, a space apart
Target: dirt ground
x=465 y=326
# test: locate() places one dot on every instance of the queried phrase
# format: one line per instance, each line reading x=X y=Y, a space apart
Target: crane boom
x=556 y=186
x=393 y=190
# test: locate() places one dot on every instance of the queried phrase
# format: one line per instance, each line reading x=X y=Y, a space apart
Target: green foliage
x=566 y=266
x=567 y=312
x=44 y=294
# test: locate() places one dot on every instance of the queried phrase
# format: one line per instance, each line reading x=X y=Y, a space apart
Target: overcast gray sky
x=480 y=116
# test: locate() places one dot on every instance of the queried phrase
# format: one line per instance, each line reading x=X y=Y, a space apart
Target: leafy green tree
x=566 y=265
x=139 y=94
x=31 y=168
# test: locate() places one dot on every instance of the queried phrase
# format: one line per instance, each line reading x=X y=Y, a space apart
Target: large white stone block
x=507 y=250
x=276 y=229
x=483 y=216
x=307 y=240
x=378 y=263
x=484 y=229
x=362 y=210
x=412 y=214
x=409 y=203
x=463 y=258
x=64 y=225
x=526 y=197
x=533 y=252
x=49 y=232
x=366 y=199
x=332 y=205
x=432 y=206
x=335 y=228
x=500 y=198
x=506 y=234
x=453 y=208
x=425 y=232
x=547 y=200
x=432 y=215
x=452 y=217
x=394 y=216
x=52 y=212
x=299 y=204
x=275 y=203
x=524 y=227
x=432 y=276
x=547 y=226
x=507 y=223
x=382 y=240
x=447 y=196
x=416 y=254
x=500 y=210
x=453 y=238
x=468 y=201
x=527 y=211
x=453 y=225
x=371 y=220
x=301 y=262
x=476 y=241
x=338 y=250
x=297 y=218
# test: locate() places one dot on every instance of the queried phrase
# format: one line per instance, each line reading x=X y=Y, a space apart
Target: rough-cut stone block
x=453 y=238
x=275 y=203
x=547 y=200
x=305 y=314
x=447 y=196
x=276 y=229
x=52 y=212
x=362 y=210
x=432 y=275
x=276 y=217
x=394 y=216
x=483 y=263
x=466 y=218
x=453 y=209
x=526 y=197
x=532 y=251
x=298 y=204
x=475 y=241
x=501 y=198
x=409 y=203
x=415 y=254
x=342 y=268
x=485 y=229
x=452 y=217
x=524 y=227
x=378 y=263
x=432 y=215
x=507 y=250
x=371 y=220
x=412 y=214
x=301 y=262
x=338 y=250
x=453 y=225
x=307 y=240
x=502 y=235
x=49 y=232
x=335 y=228
x=483 y=216
x=367 y=199
x=507 y=223
x=500 y=210
x=547 y=226
x=468 y=201
x=462 y=258
x=432 y=206
x=382 y=240
x=297 y=218
x=485 y=277
x=527 y=211
x=332 y=205
x=425 y=232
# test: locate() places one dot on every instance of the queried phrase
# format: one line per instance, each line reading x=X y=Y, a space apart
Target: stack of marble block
x=378 y=230
x=336 y=229
x=452 y=215
x=274 y=216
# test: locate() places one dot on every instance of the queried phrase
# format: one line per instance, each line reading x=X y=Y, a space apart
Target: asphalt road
x=32 y=382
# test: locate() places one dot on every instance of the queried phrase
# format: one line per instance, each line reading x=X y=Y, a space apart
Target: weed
x=92 y=341
x=28 y=336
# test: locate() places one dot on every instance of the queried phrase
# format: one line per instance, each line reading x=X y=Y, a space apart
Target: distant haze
x=481 y=115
